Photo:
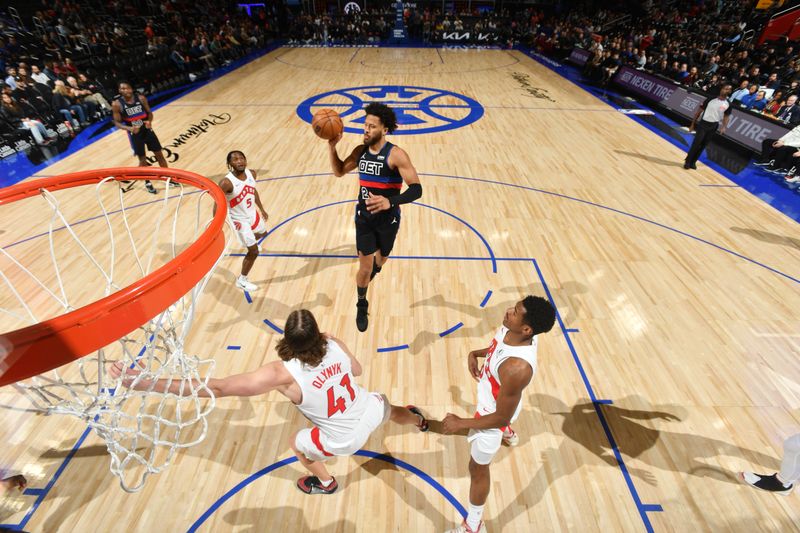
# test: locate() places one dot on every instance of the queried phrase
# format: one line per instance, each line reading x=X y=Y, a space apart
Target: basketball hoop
x=142 y=316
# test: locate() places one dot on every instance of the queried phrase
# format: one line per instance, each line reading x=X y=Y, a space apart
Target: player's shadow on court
x=490 y=318
x=232 y=424
x=388 y=473
x=633 y=438
x=652 y=159
x=769 y=238
x=263 y=307
x=288 y=518
x=312 y=266
x=677 y=452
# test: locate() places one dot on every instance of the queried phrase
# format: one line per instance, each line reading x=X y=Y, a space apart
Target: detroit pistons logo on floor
x=419 y=109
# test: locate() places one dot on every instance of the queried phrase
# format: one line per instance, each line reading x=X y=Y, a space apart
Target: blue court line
x=604 y=402
x=234 y=347
x=41 y=493
x=247 y=296
x=451 y=330
x=641 y=507
x=44 y=491
x=573 y=330
x=626 y=214
x=440 y=56
x=353 y=256
x=569 y=72
x=652 y=507
x=273 y=326
x=289 y=460
x=354 y=55
x=239 y=486
x=493 y=182
x=467 y=224
x=488 y=295
x=393 y=348
x=491 y=257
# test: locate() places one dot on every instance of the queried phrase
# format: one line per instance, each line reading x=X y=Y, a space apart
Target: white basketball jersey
x=331 y=400
x=242 y=201
x=489 y=384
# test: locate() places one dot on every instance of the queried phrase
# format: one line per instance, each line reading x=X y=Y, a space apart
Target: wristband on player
x=413 y=192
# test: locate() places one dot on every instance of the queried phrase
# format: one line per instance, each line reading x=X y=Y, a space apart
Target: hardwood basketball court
x=676 y=346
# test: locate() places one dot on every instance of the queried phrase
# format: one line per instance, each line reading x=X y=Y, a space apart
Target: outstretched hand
x=117 y=369
x=17 y=481
x=452 y=424
x=474 y=367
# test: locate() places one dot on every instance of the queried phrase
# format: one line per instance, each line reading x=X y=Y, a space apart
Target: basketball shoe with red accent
x=312 y=485
x=464 y=528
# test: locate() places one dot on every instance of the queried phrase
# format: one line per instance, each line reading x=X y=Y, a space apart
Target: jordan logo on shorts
x=394 y=220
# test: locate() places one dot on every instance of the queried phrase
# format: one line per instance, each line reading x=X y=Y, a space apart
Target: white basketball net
x=142 y=428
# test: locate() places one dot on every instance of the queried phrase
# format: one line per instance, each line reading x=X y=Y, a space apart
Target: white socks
x=474 y=517
x=326 y=484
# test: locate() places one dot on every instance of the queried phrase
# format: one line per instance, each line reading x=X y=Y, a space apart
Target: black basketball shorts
x=376 y=232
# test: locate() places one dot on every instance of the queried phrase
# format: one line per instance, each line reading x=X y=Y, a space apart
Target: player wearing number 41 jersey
x=316 y=373
x=382 y=169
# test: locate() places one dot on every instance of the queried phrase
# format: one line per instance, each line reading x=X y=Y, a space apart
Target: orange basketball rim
x=38 y=348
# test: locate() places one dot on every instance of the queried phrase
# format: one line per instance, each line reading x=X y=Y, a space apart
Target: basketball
x=327 y=124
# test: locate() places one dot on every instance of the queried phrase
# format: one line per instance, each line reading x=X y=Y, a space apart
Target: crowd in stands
x=426 y=24
x=357 y=28
x=61 y=63
x=702 y=46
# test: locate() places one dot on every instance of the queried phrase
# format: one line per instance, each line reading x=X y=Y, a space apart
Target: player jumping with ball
x=382 y=169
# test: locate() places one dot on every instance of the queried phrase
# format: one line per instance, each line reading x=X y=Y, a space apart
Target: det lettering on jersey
x=326 y=374
x=370 y=167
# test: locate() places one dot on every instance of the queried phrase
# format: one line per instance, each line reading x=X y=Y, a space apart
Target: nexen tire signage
x=748 y=129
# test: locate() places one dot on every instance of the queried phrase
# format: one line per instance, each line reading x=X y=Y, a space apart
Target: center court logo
x=419 y=109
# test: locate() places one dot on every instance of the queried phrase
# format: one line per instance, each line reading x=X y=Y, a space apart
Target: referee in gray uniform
x=710 y=114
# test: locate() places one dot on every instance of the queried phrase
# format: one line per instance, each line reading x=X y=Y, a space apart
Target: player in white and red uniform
x=317 y=373
x=249 y=223
x=509 y=368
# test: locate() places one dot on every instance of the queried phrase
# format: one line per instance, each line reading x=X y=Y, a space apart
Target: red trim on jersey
x=503 y=429
x=247 y=189
x=317 y=443
x=379 y=185
x=258 y=219
x=495 y=385
x=135 y=117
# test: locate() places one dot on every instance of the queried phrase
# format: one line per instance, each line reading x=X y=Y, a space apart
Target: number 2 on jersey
x=337 y=404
